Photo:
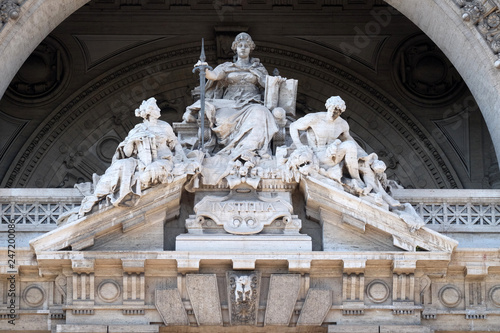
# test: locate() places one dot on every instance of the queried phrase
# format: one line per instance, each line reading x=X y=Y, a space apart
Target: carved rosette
x=43 y=75
x=243 y=297
x=423 y=73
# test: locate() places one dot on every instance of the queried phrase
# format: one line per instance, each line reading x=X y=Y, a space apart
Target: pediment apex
x=342 y=210
x=158 y=202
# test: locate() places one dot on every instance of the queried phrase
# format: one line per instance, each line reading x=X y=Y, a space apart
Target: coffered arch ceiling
x=111 y=72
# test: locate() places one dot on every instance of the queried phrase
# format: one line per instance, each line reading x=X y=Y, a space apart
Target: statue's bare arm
x=301 y=124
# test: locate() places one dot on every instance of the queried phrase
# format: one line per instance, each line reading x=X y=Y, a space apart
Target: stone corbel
x=299 y=265
x=354 y=266
x=133 y=265
x=476 y=271
x=404 y=266
x=243 y=264
x=188 y=265
x=83 y=265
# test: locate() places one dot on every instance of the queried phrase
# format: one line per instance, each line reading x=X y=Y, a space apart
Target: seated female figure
x=234 y=108
x=145 y=158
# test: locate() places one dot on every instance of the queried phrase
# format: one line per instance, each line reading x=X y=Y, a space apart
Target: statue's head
x=148 y=109
x=335 y=103
x=243 y=37
x=378 y=166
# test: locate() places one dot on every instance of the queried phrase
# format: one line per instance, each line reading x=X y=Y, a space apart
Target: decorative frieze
x=450 y=296
x=403 y=287
x=34 y=296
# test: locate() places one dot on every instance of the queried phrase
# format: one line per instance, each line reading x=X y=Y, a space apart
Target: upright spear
x=201 y=65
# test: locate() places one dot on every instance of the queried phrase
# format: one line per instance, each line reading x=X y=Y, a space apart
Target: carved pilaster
x=475 y=292
x=353 y=287
x=134 y=288
x=83 y=293
x=403 y=293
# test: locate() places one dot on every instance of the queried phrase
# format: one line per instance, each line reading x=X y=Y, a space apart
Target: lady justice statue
x=234 y=108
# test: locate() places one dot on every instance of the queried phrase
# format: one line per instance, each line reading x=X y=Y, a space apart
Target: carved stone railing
x=35 y=209
x=453 y=211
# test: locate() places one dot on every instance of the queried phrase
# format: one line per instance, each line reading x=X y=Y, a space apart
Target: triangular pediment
x=352 y=223
x=119 y=228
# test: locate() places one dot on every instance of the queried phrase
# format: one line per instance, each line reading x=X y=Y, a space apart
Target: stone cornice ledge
x=189 y=261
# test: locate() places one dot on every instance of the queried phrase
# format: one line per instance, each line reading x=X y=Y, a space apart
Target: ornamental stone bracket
x=485 y=16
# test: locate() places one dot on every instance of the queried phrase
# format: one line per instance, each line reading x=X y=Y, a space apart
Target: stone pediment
x=119 y=228
x=351 y=223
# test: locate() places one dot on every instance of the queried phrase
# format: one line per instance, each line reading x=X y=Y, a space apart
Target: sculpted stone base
x=238 y=243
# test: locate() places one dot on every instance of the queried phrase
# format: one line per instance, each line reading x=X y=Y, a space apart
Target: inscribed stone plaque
x=204 y=296
x=169 y=305
x=283 y=292
x=316 y=306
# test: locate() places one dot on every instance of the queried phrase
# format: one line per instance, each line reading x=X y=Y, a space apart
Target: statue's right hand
x=200 y=63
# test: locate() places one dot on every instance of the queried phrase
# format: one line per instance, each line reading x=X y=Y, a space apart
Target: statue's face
x=243 y=50
x=334 y=112
x=153 y=112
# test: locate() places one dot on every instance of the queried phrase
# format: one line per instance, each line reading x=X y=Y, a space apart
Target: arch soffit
x=425 y=149
x=18 y=38
x=467 y=50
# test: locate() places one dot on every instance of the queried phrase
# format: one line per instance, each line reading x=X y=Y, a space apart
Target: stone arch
x=467 y=50
x=68 y=123
x=19 y=38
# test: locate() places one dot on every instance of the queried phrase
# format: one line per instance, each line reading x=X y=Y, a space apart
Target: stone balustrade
x=35 y=209
x=456 y=213
x=459 y=214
